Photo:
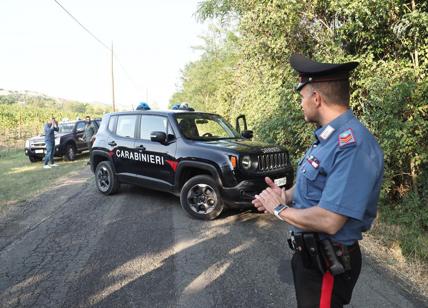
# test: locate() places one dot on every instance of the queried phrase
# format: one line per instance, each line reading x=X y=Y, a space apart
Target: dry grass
x=22 y=180
x=411 y=271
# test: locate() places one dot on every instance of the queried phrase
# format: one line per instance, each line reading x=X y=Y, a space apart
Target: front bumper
x=40 y=152
x=242 y=194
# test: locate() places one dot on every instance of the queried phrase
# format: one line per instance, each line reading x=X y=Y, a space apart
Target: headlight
x=57 y=141
x=27 y=143
x=246 y=162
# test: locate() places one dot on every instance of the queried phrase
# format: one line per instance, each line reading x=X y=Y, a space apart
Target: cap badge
x=346 y=137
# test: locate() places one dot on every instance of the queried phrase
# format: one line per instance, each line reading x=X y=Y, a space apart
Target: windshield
x=197 y=126
x=65 y=127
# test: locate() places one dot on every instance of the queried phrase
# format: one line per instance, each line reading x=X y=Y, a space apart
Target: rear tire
x=70 y=152
x=106 y=179
x=200 y=197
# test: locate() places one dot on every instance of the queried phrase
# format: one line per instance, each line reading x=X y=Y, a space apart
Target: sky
x=44 y=50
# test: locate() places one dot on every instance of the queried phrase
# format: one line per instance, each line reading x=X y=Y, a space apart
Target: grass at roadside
x=21 y=179
x=399 y=240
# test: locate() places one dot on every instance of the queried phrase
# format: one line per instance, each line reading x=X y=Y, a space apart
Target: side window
x=152 y=124
x=126 y=126
x=112 y=123
x=80 y=127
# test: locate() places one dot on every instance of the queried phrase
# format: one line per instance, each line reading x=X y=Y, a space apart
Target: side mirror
x=241 y=120
x=247 y=134
x=158 y=137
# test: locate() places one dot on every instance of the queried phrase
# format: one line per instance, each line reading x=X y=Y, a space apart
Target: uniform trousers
x=314 y=289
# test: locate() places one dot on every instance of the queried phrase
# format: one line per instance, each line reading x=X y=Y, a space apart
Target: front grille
x=38 y=145
x=272 y=161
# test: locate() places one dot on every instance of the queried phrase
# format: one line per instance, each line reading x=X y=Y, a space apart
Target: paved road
x=73 y=247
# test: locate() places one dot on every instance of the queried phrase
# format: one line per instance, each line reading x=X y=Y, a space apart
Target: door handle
x=141 y=147
x=112 y=143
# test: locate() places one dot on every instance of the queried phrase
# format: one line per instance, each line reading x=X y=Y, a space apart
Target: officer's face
x=310 y=111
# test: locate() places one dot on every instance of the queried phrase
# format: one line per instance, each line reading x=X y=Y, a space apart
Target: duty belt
x=323 y=254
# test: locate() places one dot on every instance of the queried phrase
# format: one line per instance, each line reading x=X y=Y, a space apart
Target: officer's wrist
x=278 y=209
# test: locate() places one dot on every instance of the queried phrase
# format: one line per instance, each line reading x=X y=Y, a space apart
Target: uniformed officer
x=337 y=188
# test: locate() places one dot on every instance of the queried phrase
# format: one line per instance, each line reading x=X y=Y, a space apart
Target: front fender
x=183 y=165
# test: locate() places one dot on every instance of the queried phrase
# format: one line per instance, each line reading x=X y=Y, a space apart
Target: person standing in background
x=49 y=130
x=89 y=133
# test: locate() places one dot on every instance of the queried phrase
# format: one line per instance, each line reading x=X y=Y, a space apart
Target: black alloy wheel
x=105 y=178
x=200 y=197
x=70 y=152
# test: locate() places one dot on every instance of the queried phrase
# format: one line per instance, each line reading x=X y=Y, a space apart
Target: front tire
x=200 y=197
x=70 y=152
x=34 y=159
x=106 y=179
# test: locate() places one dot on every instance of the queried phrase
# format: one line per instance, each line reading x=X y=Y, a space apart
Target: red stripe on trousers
x=326 y=290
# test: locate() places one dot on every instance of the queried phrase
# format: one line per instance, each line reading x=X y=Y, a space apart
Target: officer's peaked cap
x=311 y=71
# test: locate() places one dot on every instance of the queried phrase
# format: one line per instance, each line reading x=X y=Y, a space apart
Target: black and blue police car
x=197 y=156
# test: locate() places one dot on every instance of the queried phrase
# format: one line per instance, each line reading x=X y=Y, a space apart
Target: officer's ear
x=317 y=98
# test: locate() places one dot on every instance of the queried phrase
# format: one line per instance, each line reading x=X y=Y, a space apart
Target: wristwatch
x=279 y=209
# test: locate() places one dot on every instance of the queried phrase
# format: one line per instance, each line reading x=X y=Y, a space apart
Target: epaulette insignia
x=346 y=137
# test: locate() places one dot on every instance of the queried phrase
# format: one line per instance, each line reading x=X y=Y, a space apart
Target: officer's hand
x=270 y=199
x=275 y=188
x=259 y=205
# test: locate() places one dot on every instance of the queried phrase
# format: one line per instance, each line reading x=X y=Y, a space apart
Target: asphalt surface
x=74 y=247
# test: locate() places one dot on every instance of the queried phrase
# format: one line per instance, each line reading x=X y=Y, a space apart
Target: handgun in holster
x=331 y=259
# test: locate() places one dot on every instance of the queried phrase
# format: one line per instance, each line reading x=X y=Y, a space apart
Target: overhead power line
x=103 y=44
x=84 y=28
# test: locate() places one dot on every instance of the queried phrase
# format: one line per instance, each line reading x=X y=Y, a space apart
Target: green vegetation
x=23 y=114
x=244 y=69
x=25 y=179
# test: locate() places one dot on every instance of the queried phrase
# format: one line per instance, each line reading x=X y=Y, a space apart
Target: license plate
x=39 y=151
x=281 y=181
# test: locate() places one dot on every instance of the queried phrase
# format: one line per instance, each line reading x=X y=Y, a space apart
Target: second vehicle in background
x=68 y=141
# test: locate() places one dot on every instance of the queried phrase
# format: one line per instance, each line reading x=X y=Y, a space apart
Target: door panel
x=80 y=128
x=122 y=143
x=154 y=159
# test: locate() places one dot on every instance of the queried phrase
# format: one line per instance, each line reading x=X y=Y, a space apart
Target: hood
x=241 y=146
x=41 y=137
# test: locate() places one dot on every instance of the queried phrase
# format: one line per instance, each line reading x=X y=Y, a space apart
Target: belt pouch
x=299 y=246
x=311 y=245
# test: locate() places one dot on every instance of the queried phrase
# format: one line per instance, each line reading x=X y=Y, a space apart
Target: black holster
x=320 y=253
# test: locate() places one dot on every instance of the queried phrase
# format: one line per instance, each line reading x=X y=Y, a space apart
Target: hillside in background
x=40 y=100
x=23 y=113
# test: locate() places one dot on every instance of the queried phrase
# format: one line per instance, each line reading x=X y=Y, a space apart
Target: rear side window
x=112 y=123
x=152 y=124
x=126 y=126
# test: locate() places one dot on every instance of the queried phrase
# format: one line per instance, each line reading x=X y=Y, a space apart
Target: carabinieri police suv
x=197 y=156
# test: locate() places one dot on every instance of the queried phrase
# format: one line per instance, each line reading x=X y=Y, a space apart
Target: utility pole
x=112 y=78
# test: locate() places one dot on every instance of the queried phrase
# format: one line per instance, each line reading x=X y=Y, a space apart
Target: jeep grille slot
x=39 y=145
x=271 y=161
